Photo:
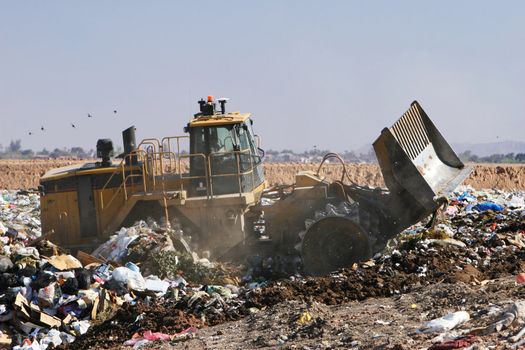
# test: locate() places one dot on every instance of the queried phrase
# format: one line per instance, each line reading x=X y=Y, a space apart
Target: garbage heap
x=48 y=298
x=479 y=235
x=139 y=287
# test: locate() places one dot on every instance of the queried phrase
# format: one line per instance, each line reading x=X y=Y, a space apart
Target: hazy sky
x=325 y=73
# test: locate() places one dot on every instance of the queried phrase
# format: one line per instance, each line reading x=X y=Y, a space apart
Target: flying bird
x=73 y=125
x=42 y=128
x=30 y=133
x=90 y=116
x=114 y=111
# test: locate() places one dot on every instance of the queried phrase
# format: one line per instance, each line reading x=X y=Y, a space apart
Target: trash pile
x=49 y=298
x=142 y=286
x=480 y=235
x=20 y=213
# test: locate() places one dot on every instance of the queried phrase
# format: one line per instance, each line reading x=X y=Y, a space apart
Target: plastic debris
x=156 y=285
x=488 y=206
x=447 y=322
x=132 y=279
x=137 y=272
x=515 y=313
x=305 y=317
x=458 y=343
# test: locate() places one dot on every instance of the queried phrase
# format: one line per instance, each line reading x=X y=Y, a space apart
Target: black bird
x=114 y=111
x=42 y=128
x=73 y=125
x=90 y=116
x=30 y=133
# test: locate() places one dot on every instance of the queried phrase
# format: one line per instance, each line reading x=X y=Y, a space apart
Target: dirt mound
x=24 y=174
x=398 y=276
x=162 y=317
x=486 y=250
x=502 y=176
x=376 y=323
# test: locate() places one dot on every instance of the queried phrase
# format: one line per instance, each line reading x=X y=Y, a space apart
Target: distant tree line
x=316 y=155
x=467 y=156
x=15 y=151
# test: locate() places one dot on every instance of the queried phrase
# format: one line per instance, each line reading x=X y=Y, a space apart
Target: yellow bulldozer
x=216 y=194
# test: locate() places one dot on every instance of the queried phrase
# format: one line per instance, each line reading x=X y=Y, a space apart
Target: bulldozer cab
x=206 y=179
x=224 y=156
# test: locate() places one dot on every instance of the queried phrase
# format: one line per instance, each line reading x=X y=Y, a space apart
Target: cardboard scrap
x=87 y=259
x=5 y=337
x=30 y=316
x=48 y=320
x=94 y=310
x=68 y=319
x=22 y=306
x=64 y=262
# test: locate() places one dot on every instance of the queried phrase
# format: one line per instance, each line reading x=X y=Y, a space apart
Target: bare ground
x=376 y=323
x=24 y=174
x=343 y=317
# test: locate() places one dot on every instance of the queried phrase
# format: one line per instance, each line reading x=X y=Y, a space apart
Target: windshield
x=211 y=139
x=231 y=161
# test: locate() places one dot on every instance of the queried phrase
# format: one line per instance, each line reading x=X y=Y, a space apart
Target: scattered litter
x=136 y=280
x=305 y=317
x=514 y=314
x=447 y=322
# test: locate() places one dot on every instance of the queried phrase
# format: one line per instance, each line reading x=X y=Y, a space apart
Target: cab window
x=211 y=139
x=247 y=142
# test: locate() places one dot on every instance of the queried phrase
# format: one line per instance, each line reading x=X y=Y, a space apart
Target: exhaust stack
x=130 y=145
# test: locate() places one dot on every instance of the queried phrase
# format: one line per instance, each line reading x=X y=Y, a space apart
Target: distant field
x=24 y=174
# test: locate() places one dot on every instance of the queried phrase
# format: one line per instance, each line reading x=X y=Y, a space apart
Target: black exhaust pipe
x=130 y=145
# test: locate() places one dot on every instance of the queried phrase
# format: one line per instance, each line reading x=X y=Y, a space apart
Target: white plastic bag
x=447 y=322
x=134 y=280
x=46 y=295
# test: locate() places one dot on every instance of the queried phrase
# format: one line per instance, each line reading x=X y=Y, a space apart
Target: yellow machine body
x=216 y=193
x=82 y=205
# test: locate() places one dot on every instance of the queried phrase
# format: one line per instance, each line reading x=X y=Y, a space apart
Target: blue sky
x=330 y=73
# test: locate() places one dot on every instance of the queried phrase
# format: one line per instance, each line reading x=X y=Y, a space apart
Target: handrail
x=160 y=159
x=108 y=182
x=120 y=188
x=157 y=165
x=167 y=139
x=121 y=168
x=239 y=173
x=205 y=176
x=150 y=141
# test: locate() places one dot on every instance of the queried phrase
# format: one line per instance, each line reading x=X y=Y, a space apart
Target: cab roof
x=219 y=119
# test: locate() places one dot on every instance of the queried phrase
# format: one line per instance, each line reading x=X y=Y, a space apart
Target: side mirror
x=257 y=140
